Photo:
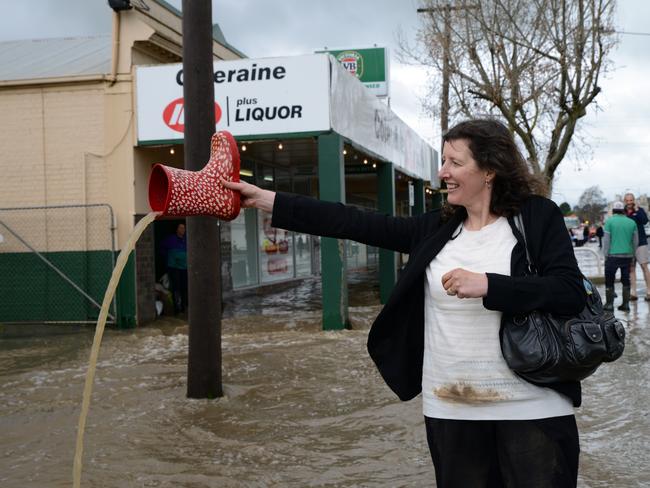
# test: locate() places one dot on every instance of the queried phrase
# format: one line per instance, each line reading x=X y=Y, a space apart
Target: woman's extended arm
x=331 y=219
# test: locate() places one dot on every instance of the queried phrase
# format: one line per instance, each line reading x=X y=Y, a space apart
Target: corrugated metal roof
x=52 y=58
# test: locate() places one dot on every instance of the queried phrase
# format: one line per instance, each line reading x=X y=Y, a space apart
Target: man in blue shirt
x=641 y=254
x=174 y=250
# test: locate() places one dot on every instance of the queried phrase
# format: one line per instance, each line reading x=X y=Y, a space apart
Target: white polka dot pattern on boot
x=200 y=192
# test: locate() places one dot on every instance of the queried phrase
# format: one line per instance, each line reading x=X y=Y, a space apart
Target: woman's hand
x=465 y=284
x=252 y=196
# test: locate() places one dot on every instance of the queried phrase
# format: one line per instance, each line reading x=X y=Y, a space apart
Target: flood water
x=303 y=407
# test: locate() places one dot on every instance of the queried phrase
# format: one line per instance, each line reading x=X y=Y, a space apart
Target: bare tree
x=534 y=63
x=591 y=205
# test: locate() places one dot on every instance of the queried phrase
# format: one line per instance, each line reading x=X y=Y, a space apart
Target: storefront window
x=276 y=251
x=315 y=255
x=302 y=180
x=266 y=178
x=303 y=254
x=262 y=253
x=356 y=255
x=244 y=239
x=282 y=180
x=372 y=254
x=244 y=249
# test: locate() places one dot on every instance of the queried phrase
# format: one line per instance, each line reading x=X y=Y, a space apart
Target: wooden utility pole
x=203 y=241
x=446 y=10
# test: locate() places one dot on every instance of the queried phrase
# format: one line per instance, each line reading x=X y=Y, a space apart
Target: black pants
x=539 y=453
x=612 y=263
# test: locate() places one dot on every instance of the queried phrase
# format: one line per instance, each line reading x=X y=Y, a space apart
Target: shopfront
x=87 y=127
x=304 y=125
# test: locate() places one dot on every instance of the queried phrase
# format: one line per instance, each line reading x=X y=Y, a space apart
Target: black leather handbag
x=544 y=348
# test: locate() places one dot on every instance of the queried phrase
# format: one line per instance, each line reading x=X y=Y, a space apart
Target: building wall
x=145 y=275
x=47 y=135
x=22 y=137
x=117 y=153
x=51 y=142
x=64 y=145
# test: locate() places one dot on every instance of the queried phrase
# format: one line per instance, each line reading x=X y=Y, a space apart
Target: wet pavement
x=302 y=407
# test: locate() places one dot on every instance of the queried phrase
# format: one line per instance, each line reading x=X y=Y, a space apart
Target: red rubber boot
x=174 y=191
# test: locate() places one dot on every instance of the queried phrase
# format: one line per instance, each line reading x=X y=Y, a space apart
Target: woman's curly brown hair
x=494 y=148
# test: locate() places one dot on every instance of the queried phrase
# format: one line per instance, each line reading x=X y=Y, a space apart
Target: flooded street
x=303 y=407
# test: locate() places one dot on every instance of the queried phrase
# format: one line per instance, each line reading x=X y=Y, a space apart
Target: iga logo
x=174 y=115
x=352 y=61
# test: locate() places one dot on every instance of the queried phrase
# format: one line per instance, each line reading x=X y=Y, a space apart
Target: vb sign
x=369 y=65
x=352 y=61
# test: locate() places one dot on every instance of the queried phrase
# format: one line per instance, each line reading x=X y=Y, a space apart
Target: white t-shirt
x=464 y=374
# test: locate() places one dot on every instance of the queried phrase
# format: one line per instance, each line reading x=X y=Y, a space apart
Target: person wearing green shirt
x=620 y=241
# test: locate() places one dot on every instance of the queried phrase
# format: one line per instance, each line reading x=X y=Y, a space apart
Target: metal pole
x=203 y=242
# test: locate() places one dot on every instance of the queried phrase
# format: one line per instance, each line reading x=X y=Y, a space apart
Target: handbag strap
x=520 y=226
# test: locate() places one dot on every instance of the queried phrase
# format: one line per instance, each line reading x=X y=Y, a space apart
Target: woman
x=439 y=331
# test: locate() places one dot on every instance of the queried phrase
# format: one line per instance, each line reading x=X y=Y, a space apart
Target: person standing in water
x=174 y=250
x=620 y=241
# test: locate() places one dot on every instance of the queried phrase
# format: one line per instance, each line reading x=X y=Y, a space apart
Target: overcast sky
x=619 y=134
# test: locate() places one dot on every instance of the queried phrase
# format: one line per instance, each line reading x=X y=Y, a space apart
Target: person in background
x=641 y=253
x=438 y=334
x=585 y=234
x=577 y=237
x=600 y=233
x=621 y=239
x=174 y=250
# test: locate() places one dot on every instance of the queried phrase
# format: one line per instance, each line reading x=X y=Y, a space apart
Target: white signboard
x=274 y=96
x=252 y=97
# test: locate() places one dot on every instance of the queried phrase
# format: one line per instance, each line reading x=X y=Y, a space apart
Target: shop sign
x=360 y=117
x=369 y=65
x=252 y=97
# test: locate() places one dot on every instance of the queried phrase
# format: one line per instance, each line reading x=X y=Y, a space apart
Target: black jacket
x=396 y=339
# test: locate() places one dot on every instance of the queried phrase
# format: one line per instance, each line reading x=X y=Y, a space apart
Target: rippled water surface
x=303 y=407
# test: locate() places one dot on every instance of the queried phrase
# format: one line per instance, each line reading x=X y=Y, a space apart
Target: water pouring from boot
x=172 y=192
